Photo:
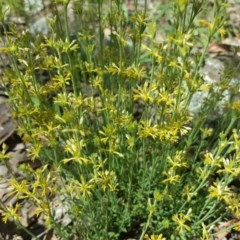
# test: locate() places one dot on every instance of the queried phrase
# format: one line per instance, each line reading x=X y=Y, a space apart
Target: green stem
x=101 y=35
x=148 y=222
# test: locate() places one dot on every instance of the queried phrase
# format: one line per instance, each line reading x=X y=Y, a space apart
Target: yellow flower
x=147 y=92
x=158 y=196
x=181 y=220
x=11 y=213
x=210 y=159
x=174 y=64
x=19 y=187
x=83 y=187
x=146 y=129
x=75 y=147
x=172 y=177
x=237 y=226
x=233 y=202
x=108 y=133
x=154 y=237
x=178 y=160
x=206 y=132
x=134 y=72
x=205 y=23
x=114 y=69
x=205 y=233
x=231 y=166
x=222 y=32
x=107 y=180
x=219 y=190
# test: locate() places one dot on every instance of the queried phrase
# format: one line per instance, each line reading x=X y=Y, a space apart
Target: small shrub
x=111 y=124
